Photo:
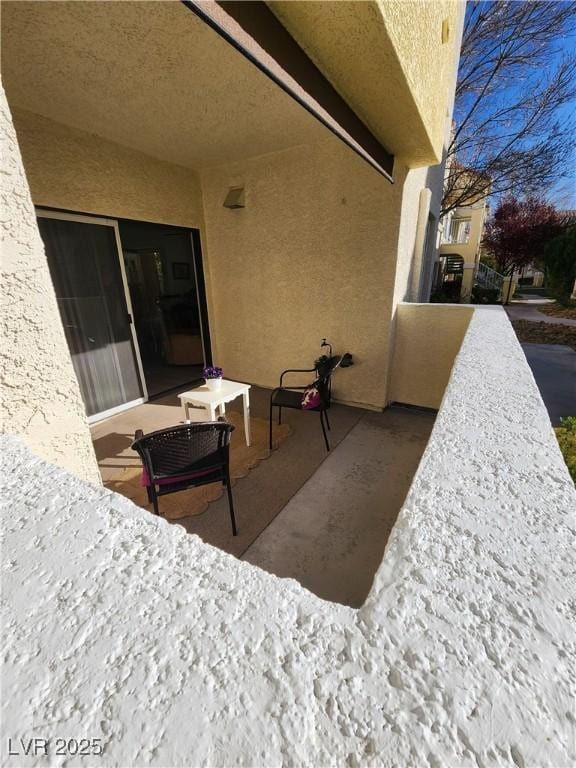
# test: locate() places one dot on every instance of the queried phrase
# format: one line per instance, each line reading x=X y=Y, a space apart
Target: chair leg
x=327 y=421
x=152 y=492
x=270 y=434
x=324 y=431
x=231 y=505
x=279 y=415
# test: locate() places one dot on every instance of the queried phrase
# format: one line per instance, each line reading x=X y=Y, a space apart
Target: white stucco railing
x=120 y=627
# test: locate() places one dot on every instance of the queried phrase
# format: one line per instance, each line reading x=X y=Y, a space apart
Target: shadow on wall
x=422 y=231
x=422 y=362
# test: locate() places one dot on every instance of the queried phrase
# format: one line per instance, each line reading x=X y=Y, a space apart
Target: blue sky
x=507 y=93
x=564 y=193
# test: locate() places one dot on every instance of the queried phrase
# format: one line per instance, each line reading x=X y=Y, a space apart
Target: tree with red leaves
x=519 y=231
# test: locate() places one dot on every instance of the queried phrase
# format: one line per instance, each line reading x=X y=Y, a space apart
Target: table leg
x=246 y=398
x=222 y=408
x=186 y=412
x=212 y=413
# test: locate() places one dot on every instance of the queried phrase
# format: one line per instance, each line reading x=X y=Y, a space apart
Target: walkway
x=554 y=368
x=553 y=365
x=528 y=310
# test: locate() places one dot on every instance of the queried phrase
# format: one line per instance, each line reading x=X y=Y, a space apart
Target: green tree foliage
x=560 y=265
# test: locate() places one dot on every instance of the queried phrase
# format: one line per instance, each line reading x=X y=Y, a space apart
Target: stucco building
x=460 y=243
x=190 y=182
x=136 y=121
x=461 y=232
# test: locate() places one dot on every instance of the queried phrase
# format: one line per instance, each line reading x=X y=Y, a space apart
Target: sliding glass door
x=90 y=284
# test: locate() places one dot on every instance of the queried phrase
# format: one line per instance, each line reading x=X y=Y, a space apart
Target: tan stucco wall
x=324 y=246
x=79 y=171
x=39 y=392
x=147 y=75
x=428 y=337
x=388 y=61
x=408 y=258
x=429 y=65
x=312 y=255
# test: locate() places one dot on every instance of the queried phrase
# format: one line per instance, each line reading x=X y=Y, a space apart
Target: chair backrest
x=176 y=450
x=325 y=367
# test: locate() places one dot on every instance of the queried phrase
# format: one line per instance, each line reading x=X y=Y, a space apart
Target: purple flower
x=213 y=372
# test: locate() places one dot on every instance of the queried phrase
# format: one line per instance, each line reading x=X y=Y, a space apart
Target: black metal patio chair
x=186 y=456
x=292 y=396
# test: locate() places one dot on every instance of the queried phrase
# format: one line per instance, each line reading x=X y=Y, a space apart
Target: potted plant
x=213 y=377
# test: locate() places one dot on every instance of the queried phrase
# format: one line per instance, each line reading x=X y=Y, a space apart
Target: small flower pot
x=214 y=384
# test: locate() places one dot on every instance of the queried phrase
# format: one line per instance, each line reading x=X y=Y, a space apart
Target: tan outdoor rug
x=195 y=501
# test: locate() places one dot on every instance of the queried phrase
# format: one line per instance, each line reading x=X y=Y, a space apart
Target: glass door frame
x=47 y=213
x=201 y=295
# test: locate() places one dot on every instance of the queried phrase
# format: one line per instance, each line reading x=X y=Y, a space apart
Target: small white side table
x=212 y=400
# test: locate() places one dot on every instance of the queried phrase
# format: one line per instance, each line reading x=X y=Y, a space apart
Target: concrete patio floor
x=331 y=535
x=331 y=514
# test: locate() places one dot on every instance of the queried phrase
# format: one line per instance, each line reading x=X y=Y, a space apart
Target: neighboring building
x=531 y=276
x=223 y=182
x=460 y=242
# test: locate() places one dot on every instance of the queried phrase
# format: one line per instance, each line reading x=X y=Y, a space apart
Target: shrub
x=566 y=434
x=485 y=295
x=560 y=265
x=447 y=293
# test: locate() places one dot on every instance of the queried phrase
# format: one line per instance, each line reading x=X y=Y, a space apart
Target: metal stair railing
x=486 y=277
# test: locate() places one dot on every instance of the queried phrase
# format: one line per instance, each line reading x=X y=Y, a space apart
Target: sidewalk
x=528 y=310
x=554 y=368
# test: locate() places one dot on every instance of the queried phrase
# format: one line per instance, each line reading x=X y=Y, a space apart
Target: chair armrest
x=295 y=370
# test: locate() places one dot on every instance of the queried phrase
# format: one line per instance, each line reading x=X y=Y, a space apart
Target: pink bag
x=311 y=398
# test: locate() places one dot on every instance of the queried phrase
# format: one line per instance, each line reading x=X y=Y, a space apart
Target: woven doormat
x=196 y=500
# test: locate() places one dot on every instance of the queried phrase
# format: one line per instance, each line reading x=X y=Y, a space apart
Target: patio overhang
x=194 y=88
x=254 y=30
x=386 y=68
x=150 y=76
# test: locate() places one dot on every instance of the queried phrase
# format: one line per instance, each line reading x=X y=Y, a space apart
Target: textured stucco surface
x=311 y=255
x=117 y=625
x=324 y=247
x=80 y=171
x=428 y=64
x=147 y=75
x=40 y=398
x=115 y=68
x=388 y=61
x=428 y=337
x=409 y=258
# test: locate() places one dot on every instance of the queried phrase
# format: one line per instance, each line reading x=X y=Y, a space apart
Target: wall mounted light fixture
x=235 y=198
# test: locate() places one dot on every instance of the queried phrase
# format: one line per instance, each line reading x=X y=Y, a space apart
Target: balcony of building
x=173 y=652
